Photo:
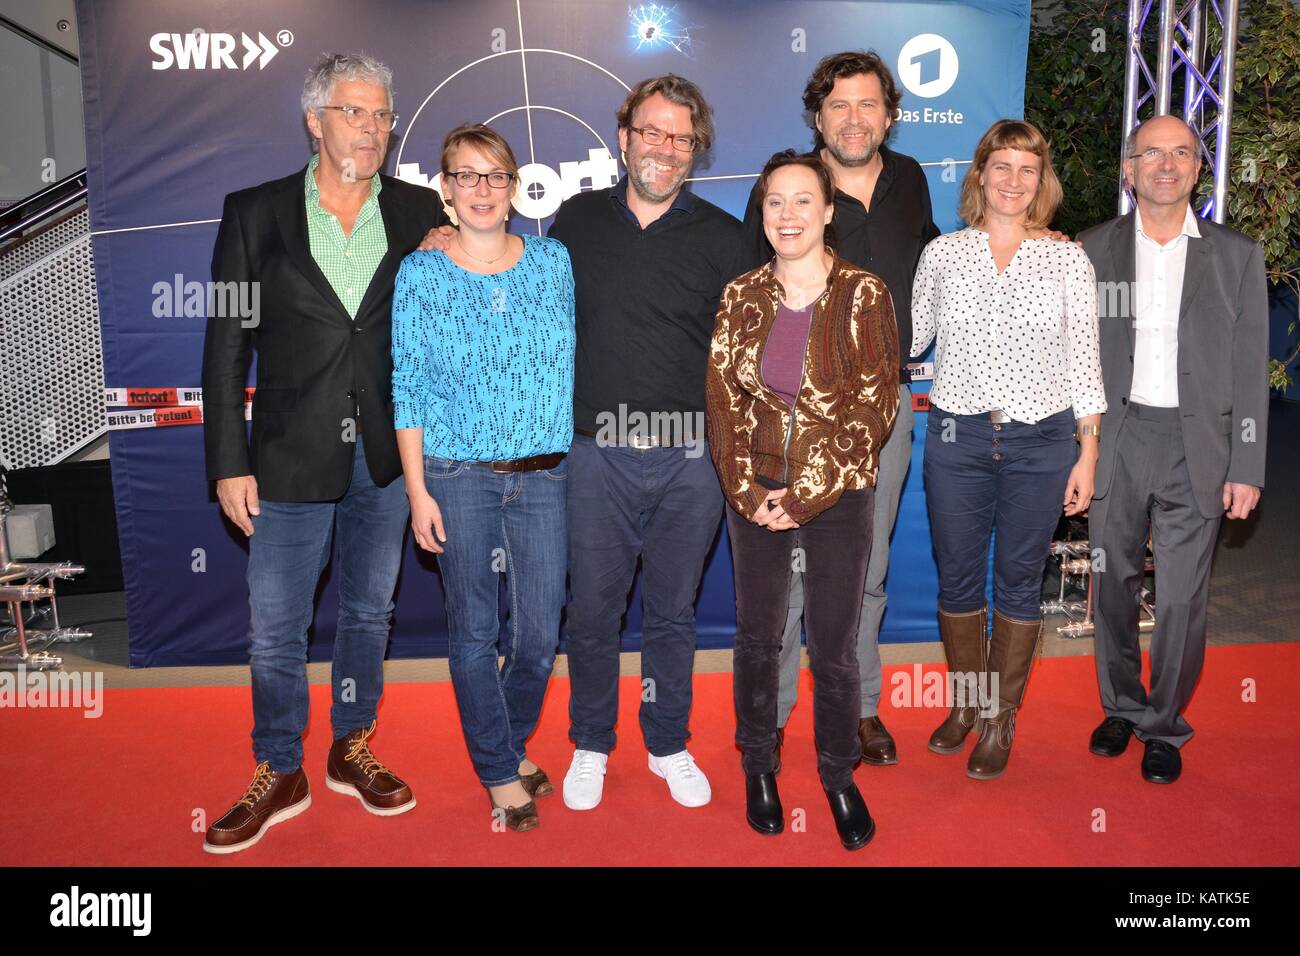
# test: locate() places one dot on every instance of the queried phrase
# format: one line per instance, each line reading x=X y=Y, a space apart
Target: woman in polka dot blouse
x=1012 y=434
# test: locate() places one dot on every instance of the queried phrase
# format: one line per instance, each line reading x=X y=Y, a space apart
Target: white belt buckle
x=999 y=417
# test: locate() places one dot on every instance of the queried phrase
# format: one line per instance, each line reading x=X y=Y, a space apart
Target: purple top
x=783 y=353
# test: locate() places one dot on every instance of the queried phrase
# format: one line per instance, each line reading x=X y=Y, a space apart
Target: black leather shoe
x=763 y=804
x=1111 y=737
x=776 y=754
x=854 y=823
x=1162 y=763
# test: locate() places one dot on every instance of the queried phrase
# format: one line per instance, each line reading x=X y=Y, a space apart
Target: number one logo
x=927 y=65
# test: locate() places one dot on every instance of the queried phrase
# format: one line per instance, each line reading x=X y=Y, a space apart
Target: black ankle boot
x=852 y=820
x=763 y=804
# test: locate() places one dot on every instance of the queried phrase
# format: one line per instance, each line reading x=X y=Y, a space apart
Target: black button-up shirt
x=646 y=300
x=886 y=240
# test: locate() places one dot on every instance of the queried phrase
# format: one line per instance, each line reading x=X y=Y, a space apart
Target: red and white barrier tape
x=130 y=408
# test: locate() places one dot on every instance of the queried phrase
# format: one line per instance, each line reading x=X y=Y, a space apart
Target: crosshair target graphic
x=565 y=151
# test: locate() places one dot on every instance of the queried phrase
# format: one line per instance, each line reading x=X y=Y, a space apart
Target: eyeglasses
x=468 y=179
x=357 y=116
x=657 y=137
x=1150 y=157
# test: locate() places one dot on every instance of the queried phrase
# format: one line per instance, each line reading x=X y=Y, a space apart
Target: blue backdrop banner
x=186 y=101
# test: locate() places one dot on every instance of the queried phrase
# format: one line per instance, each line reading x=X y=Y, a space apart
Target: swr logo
x=212 y=51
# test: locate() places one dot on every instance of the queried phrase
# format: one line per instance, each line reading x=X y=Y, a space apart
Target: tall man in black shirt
x=882 y=221
x=650 y=261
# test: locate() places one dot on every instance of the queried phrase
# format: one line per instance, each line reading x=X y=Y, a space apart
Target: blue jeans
x=289 y=548
x=500 y=523
x=663 y=507
x=978 y=476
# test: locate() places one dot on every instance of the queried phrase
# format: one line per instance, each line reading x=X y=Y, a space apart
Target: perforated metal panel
x=51 y=360
x=48 y=240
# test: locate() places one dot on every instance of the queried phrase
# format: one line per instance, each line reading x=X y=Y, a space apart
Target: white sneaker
x=686 y=781
x=585 y=781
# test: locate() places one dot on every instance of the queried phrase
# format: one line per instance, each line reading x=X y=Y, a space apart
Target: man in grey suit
x=1184 y=356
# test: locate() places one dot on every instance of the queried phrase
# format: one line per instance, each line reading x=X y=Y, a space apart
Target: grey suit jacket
x=1222 y=353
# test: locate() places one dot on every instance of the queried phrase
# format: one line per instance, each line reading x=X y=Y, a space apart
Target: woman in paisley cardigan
x=802 y=393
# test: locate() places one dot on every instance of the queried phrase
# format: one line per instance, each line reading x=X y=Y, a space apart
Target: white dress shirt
x=1157 y=297
x=1023 y=340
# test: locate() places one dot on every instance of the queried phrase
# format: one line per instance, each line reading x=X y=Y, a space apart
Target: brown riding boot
x=1011 y=654
x=966 y=648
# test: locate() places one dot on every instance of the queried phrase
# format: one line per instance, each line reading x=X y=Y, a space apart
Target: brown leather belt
x=535 y=463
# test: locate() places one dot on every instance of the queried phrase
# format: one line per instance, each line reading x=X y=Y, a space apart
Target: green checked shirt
x=349 y=262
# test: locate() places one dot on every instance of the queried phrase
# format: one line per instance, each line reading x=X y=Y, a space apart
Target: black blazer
x=315 y=365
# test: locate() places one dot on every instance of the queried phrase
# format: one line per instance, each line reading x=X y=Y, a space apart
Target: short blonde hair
x=486 y=140
x=1024 y=136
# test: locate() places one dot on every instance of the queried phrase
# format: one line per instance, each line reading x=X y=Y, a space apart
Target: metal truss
x=1185 y=62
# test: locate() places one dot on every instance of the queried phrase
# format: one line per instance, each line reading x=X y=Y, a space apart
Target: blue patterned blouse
x=484 y=363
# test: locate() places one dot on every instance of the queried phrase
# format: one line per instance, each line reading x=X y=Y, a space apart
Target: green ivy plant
x=1074 y=91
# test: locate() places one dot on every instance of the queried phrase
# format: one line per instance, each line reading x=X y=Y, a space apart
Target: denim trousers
x=287 y=552
x=832 y=551
x=662 y=505
x=512 y=524
x=981 y=476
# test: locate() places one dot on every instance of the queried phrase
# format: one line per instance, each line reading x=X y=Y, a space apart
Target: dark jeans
x=662 y=505
x=289 y=548
x=979 y=476
x=496 y=524
x=835 y=548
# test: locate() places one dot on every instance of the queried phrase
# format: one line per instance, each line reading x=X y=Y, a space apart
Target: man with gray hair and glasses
x=1184 y=359
x=323 y=246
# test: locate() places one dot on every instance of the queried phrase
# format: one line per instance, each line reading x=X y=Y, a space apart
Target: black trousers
x=832 y=551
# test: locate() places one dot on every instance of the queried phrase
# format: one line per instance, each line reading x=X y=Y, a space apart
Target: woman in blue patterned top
x=483 y=340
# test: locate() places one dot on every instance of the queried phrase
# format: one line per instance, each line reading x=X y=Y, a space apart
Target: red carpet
x=125 y=789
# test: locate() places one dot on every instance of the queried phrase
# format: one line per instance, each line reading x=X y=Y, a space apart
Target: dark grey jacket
x=1222 y=353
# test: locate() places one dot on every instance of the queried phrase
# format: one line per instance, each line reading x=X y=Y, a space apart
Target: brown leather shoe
x=537 y=783
x=965 y=647
x=519 y=819
x=353 y=769
x=776 y=754
x=1011 y=654
x=270 y=799
x=877 y=746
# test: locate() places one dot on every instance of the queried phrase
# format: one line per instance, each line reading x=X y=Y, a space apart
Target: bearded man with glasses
x=650 y=260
